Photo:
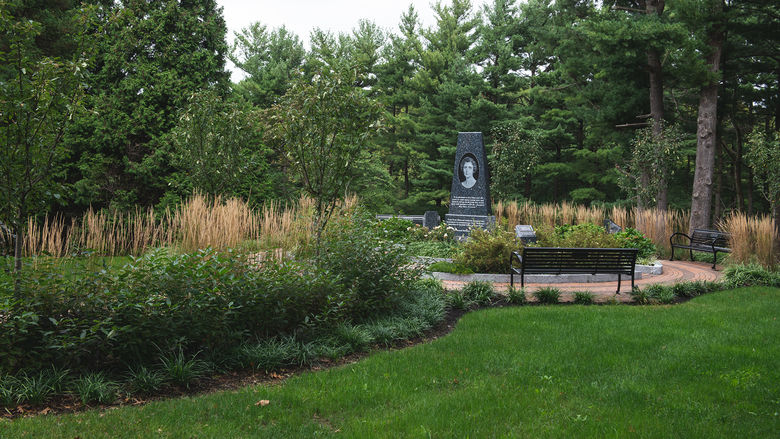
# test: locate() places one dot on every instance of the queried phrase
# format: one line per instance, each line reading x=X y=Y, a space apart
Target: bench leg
x=522 y=280
x=511 y=277
x=618 y=290
x=714 y=259
x=672 y=258
x=691 y=250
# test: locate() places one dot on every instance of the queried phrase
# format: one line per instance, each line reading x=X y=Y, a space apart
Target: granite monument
x=470 y=194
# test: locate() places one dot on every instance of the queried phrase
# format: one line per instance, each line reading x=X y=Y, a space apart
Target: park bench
x=554 y=260
x=703 y=240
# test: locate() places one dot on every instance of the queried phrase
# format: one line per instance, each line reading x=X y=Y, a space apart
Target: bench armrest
x=515 y=255
x=679 y=234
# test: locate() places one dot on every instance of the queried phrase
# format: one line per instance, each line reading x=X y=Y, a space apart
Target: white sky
x=301 y=16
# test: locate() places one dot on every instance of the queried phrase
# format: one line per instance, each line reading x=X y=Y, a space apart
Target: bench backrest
x=579 y=260
x=710 y=237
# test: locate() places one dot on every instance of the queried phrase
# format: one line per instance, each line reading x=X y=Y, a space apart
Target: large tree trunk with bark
x=706 y=133
x=776 y=219
x=655 y=72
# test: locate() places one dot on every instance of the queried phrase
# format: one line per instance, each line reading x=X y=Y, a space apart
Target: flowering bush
x=442 y=232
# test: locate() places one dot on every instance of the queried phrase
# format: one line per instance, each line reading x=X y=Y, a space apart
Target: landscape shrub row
x=480 y=293
x=176 y=368
x=204 y=302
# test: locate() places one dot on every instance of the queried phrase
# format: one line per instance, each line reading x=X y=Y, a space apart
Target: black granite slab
x=470 y=191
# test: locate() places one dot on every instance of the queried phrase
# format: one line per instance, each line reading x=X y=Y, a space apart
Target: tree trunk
x=18 y=243
x=738 y=169
x=719 y=183
x=655 y=72
x=750 y=192
x=776 y=219
x=706 y=133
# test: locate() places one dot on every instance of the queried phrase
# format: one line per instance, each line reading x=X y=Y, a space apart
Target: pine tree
x=151 y=56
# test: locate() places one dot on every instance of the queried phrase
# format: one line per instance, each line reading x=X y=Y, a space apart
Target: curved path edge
x=673 y=272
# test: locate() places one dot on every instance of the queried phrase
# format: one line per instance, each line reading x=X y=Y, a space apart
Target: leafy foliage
x=219 y=150
x=487 y=251
x=580 y=235
x=583 y=297
x=321 y=127
x=547 y=295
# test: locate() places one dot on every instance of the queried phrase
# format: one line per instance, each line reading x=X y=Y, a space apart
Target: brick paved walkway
x=674 y=271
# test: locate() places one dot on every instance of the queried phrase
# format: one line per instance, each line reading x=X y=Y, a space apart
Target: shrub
x=144 y=381
x=641 y=296
x=214 y=301
x=441 y=233
x=394 y=229
x=8 y=391
x=427 y=304
x=355 y=337
x=450 y=267
x=458 y=300
x=750 y=275
x=583 y=298
x=372 y=276
x=547 y=295
x=479 y=292
x=267 y=355
x=95 y=387
x=666 y=295
x=576 y=236
x=37 y=387
x=432 y=249
x=655 y=293
x=487 y=251
x=693 y=289
x=182 y=370
x=516 y=296
x=632 y=238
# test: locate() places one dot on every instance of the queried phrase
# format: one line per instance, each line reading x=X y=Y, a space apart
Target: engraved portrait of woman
x=469 y=169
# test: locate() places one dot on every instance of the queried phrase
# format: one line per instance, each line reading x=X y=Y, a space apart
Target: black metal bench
x=554 y=260
x=703 y=240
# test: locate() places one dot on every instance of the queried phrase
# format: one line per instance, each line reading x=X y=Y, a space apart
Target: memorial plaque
x=470 y=193
x=525 y=233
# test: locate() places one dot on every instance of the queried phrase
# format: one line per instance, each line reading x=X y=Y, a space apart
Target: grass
x=704 y=368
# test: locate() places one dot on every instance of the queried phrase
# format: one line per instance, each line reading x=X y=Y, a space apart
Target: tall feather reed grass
x=656 y=225
x=197 y=223
x=752 y=239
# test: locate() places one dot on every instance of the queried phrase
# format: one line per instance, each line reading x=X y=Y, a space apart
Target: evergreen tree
x=151 y=56
x=270 y=61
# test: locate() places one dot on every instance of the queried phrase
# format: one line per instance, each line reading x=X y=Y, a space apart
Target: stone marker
x=611 y=227
x=525 y=233
x=470 y=194
x=431 y=219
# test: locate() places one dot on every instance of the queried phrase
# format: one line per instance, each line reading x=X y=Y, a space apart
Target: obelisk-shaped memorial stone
x=470 y=194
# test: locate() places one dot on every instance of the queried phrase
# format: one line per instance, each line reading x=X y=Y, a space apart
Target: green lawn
x=707 y=368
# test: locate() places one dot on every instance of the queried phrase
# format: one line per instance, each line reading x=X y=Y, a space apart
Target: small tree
x=763 y=156
x=653 y=158
x=516 y=153
x=38 y=100
x=321 y=127
x=218 y=146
